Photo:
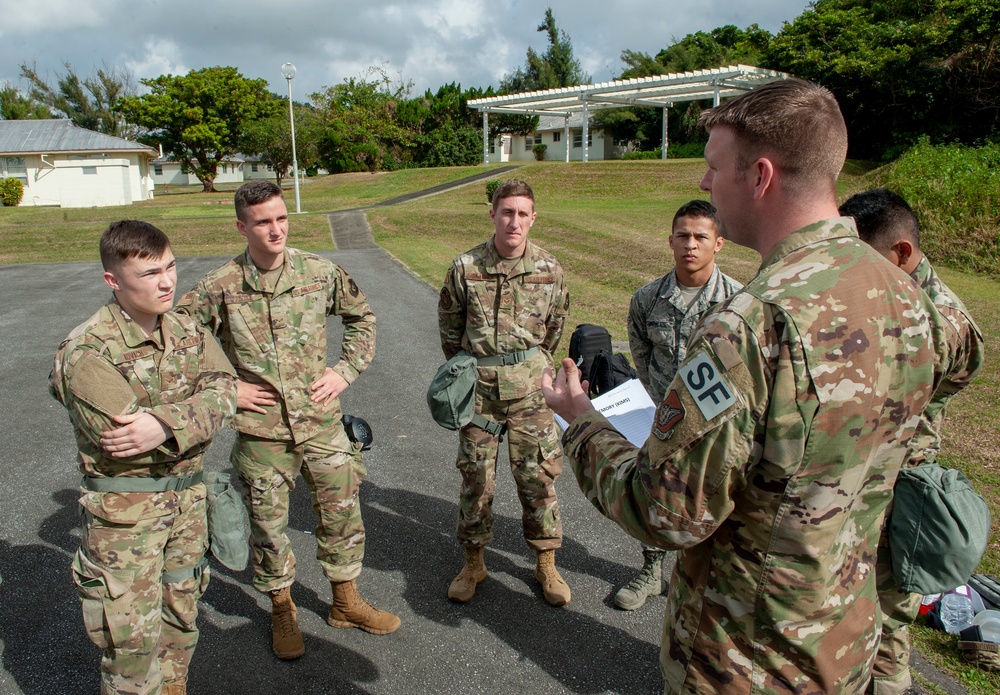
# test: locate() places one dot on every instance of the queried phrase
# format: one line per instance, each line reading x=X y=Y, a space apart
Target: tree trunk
x=208 y=185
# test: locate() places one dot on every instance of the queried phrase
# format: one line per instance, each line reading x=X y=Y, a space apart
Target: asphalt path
x=507 y=640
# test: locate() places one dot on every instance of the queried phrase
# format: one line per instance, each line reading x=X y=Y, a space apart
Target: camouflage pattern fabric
x=535 y=462
x=492 y=307
x=147 y=629
x=965 y=341
x=660 y=323
x=772 y=459
x=267 y=470
x=279 y=338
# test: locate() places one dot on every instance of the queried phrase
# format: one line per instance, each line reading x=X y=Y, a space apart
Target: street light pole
x=288 y=72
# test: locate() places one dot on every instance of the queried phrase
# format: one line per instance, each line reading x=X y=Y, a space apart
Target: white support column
x=486 y=137
x=566 y=136
x=586 y=132
x=663 y=140
x=717 y=99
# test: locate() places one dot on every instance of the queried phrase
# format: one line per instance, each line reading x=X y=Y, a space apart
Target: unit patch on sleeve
x=707 y=387
x=670 y=412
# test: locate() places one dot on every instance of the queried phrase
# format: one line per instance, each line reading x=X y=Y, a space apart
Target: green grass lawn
x=607 y=222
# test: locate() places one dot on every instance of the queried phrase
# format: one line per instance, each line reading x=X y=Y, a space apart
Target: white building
x=167 y=172
x=61 y=164
x=554 y=132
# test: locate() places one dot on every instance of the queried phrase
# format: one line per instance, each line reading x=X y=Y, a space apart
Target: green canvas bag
x=451 y=396
x=228 y=525
x=938 y=530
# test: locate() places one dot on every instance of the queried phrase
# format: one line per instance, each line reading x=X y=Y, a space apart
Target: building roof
x=59 y=135
x=658 y=91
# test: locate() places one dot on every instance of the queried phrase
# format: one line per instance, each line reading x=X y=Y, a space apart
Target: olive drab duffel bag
x=938 y=529
x=228 y=525
x=451 y=396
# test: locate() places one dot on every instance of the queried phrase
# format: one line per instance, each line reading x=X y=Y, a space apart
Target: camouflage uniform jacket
x=659 y=325
x=279 y=338
x=967 y=360
x=109 y=366
x=486 y=311
x=772 y=459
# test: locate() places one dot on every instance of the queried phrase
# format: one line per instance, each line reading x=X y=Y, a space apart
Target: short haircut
x=127 y=239
x=254 y=193
x=795 y=123
x=883 y=218
x=698 y=208
x=513 y=188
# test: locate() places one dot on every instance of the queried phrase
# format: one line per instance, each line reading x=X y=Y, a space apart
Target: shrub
x=11 y=192
x=539 y=152
x=491 y=187
x=686 y=150
x=643 y=154
x=955 y=191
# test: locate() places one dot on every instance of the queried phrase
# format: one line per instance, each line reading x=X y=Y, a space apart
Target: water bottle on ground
x=956 y=610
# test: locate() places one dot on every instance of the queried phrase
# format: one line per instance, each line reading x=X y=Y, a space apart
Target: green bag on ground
x=938 y=530
x=451 y=396
x=228 y=525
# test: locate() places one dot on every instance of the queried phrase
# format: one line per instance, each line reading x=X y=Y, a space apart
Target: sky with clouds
x=426 y=42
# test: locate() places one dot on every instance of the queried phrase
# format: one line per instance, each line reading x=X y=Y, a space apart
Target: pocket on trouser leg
x=109 y=614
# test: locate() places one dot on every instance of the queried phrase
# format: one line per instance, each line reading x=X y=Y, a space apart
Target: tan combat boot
x=556 y=590
x=286 y=640
x=350 y=610
x=463 y=587
x=175 y=687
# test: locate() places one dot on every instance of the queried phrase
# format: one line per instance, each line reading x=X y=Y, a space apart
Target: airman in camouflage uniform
x=505 y=302
x=661 y=318
x=888 y=224
x=774 y=453
x=146 y=390
x=269 y=308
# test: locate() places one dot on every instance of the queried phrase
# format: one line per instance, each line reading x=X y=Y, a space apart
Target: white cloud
x=162 y=57
x=54 y=15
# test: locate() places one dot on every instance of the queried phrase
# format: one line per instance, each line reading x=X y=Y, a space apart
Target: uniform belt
x=507 y=360
x=141 y=484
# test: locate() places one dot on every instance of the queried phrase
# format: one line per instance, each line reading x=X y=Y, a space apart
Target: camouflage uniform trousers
x=268 y=469
x=535 y=462
x=146 y=628
x=891 y=668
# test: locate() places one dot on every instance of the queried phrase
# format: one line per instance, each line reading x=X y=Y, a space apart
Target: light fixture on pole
x=288 y=72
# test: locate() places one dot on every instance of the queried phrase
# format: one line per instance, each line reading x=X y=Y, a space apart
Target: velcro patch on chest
x=707 y=385
x=239 y=298
x=191 y=341
x=133 y=355
x=306 y=289
x=474 y=277
x=540 y=279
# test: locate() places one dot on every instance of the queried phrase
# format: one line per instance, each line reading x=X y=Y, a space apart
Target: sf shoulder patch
x=706 y=385
x=670 y=412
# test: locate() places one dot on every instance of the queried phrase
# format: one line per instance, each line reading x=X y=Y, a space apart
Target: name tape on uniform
x=706 y=386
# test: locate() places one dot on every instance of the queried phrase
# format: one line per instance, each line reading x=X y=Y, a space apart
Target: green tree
x=271 y=139
x=446 y=132
x=200 y=118
x=89 y=102
x=15 y=106
x=901 y=69
x=557 y=67
x=360 y=128
x=726 y=45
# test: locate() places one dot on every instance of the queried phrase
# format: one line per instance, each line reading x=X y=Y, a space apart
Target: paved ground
x=506 y=641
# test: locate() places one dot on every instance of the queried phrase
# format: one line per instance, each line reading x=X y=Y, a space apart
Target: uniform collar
x=525 y=264
x=824 y=230
x=132 y=333
x=923 y=274
x=251 y=276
